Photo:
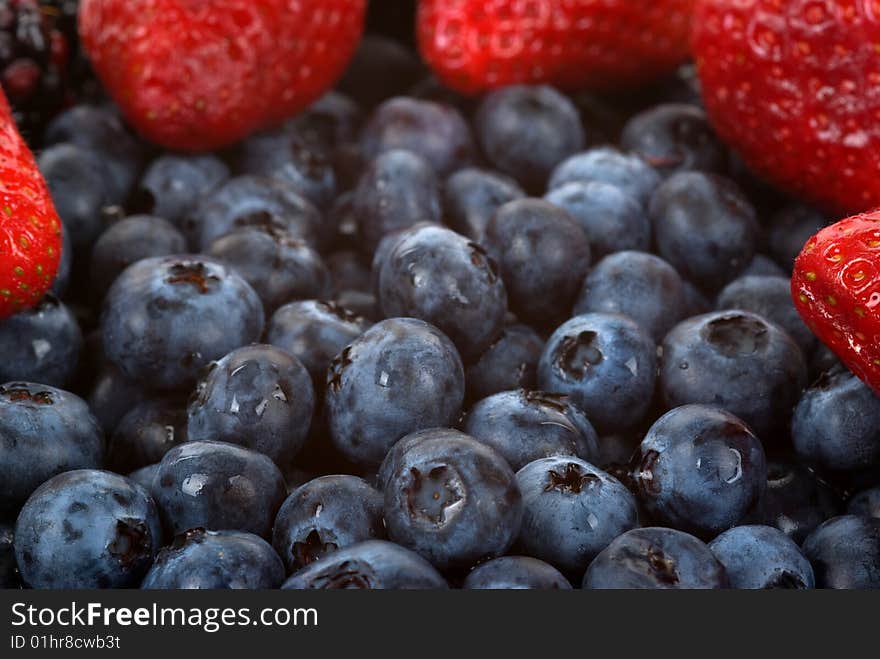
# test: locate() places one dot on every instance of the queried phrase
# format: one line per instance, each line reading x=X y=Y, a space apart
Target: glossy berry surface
x=845 y=552
x=515 y=573
x=511 y=362
x=761 y=557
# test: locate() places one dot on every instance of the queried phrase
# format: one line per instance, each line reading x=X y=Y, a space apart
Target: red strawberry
x=199 y=74
x=795 y=88
x=30 y=231
x=474 y=45
x=836 y=288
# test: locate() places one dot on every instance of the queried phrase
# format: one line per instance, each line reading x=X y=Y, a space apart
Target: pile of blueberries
x=413 y=340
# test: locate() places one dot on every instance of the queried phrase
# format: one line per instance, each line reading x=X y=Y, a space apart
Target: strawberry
x=30 y=231
x=836 y=289
x=475 y=45
x=196 y=75
x=794 y=87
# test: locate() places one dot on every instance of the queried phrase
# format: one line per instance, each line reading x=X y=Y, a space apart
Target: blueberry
x=280 y=267
x=790 y=228
x=165 y=318
x=212 y=560
x=129 y=240
x=436 y=132
x=705 y=227
x=381 y=68
x=87 y=529
x=845 y=552
x=437 y=275
x=763 y=266
x=511 y=362
x=612 y=218
x=173 y=184
x=65 y=265
x=769 y=297
x=113 y=396
x=525 y=131
x=144 y=475
x=524 y=426
x=606 y=364
x=572 y=511
x=656 y=558
x=823 y=360
x=324 y=515
x=331 y=121
x=77 y=180
x=700 y=469
x=471 y=196
x=606 y=164
x=836 y=424
x=41 y=344
x=452 y=499
x=101 y=130
x=9 y=578
x=146 y=434
x=640 y=286
x=217 y=486
x=515 y=573
x=696 y=302
x=866 y=503
x=762 y=557
x=369 y=565
x=543 y=255
x=314 y=332
x=348 y=271
x=43 y=432
x=738 y=361
x=675 y=137
x=397 y=190
x=796 y=501
x=401 y=375
x=287 y=156
x=258 y=396
x=246 y=201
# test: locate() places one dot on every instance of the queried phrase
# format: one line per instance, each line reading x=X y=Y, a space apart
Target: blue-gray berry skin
x=128 y=241
x=436 y=132
x=144 y=475
x=259 y=397
x=397 y=190
x=113 y=396
x=172 y=184
x=87 y=529
x=511 y=362
x=65 y=265
x=572 y=511
x=700 y=469
x=331 y=121
x=656 y=558
x=368 y=565
x=314 y=332
x=324 y=515
x=675 y=137
x=762 y=557
x=439 y=276
x=451 y=499
x=705 y=227
x=515 y=573
x=608 y=165
x=526 y=130
x=543 y=255
x=218 y=486
x=524 y=426
x=213 y=560
x=146 y=433
x=769 y=297
x=400 y=376
x=165 y=318
x=605 y=364
x=613 y=219
x=738 y=361
x=41 y=344
x=866 y=502
x=641 y=286
x=43 y=432
x=253 y=201
x=790 y=228
x=9 y=577
x=472 y=195
x=763 y=266
x=836 y=424
x=845 y=553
